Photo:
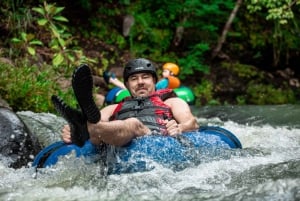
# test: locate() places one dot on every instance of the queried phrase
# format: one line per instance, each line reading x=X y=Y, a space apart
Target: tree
x=283 y=17
x=222 y=39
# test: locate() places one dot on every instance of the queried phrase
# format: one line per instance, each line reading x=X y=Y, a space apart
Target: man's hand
x=66 y=134
x=136 y=127
x=173 y=128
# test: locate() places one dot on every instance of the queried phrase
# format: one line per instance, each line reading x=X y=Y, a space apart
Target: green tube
x=186 y=94
x=124 y=93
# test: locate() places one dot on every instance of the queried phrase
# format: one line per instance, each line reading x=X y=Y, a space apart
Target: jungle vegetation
x=230 y=52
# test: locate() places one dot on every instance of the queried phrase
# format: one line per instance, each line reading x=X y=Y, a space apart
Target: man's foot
x=82 y=83
x=77 y=121
x=107 y=75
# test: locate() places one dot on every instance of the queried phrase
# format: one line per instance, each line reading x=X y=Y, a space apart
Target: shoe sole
x=82 y=83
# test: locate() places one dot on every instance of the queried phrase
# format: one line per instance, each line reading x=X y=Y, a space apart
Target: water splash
x=268 y=168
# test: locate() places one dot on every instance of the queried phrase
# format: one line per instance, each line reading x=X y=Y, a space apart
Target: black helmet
x=139 y=66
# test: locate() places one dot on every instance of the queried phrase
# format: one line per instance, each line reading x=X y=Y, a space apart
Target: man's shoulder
x=107 y=112
x=110 y=107
x=174 y=100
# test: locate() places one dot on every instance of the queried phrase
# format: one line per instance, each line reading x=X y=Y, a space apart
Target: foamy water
x=268 y=168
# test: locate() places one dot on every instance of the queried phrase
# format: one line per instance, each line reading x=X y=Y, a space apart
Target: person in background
x=169 y=80
x=147 y=111
x=110 y=78
x=101 y=89
x=102 y=86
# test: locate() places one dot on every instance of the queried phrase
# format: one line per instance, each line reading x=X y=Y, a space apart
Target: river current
x=267 y=168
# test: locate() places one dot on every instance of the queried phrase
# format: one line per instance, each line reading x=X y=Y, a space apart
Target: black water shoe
x=107 y=75
x=76 y=120
x=82 y=83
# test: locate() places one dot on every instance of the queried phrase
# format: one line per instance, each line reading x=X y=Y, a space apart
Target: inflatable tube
x=174 y=153
x=141 y=152
x=116 y=95
x=50 y=155
x=120 y=95
x=186 y=94
x=111 y=95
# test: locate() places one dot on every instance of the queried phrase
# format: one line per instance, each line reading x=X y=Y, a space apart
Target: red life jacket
x=151 y=110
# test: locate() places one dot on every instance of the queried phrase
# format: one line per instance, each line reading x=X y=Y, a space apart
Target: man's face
x=141 y=84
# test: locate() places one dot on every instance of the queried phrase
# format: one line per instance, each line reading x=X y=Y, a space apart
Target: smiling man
x=146 y=112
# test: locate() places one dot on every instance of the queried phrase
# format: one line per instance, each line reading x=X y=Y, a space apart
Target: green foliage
x=27 y=42
x=262 y=94
x=194 y=61
x=257 y=89
x=284 y=32
x=145 y=38
x=204 y=93
x=52 y=44
x=52 y=20
x=244 y=71
x=156 y=23
x=280 y=11
x=16 y=16
x=241 y=100
x=30 y=87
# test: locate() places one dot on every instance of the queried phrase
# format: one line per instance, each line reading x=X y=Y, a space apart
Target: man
x=147 y=111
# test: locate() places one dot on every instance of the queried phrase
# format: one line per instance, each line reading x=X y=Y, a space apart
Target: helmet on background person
x=139 y=65
x=171 y=67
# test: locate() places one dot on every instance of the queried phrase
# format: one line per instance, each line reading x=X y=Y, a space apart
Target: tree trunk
x=222 y=39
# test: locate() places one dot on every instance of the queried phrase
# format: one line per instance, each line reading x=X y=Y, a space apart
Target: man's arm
x=118 y=132
x=182 y=114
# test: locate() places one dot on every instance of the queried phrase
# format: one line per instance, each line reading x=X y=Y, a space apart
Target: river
x=267 y=168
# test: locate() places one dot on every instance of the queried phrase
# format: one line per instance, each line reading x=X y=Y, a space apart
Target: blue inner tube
x=49 y=155
x=111 y=95
x=141 y=152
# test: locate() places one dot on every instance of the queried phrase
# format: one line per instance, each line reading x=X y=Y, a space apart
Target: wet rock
x=4 y=104
x=16 y=141
x=45 y=126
